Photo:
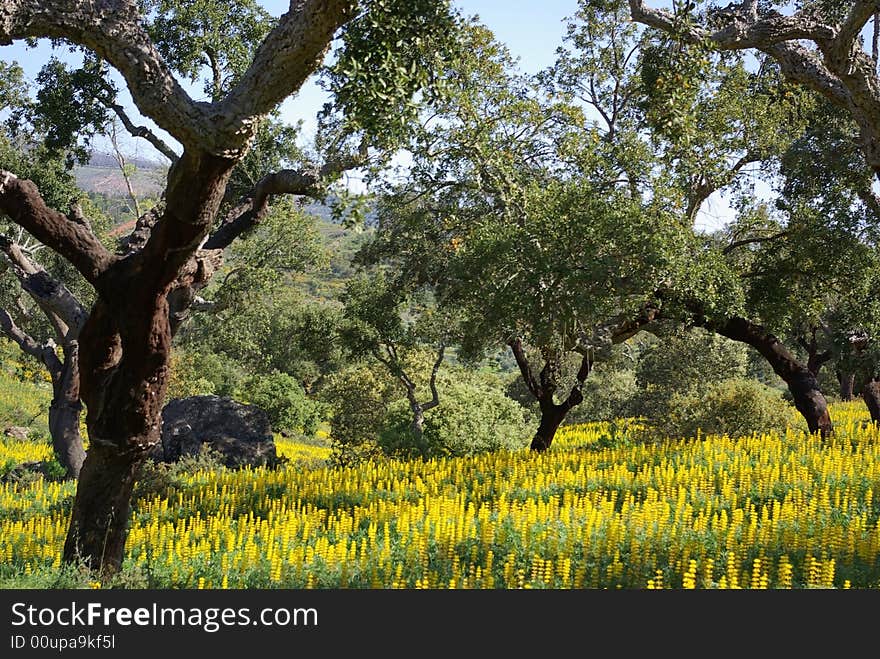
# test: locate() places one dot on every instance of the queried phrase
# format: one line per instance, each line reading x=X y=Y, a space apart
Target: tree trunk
x=871 y=396
x=804 y=388
x=552 y=416
x=811 y=403
x=847 y=385
x=418 y=423
x=123 y=392
x=64 y=413
x=99 y=522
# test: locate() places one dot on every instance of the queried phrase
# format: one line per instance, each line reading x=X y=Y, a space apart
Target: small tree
x=386 y=324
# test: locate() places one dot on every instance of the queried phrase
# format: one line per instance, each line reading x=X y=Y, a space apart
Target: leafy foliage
x=474 y=417
x=736 y=407
x=388 y=54
x=284 y=400
x=358 y=398
x=683 y=361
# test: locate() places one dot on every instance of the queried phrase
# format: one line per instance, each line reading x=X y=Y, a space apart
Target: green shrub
x=473 y=417
x=357 y=399
x=681 y=361
x=284 y=400
x=608 y=394
x=736 y=407
x=195 y=373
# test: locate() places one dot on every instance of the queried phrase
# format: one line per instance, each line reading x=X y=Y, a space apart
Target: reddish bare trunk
x=99 y=522
x=123 y=396
x=125 y=350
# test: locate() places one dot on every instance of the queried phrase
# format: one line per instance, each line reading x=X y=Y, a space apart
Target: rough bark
x=290 y=53
x=544 y=387
x=552 y=416
x=64 y=413
x=99 y=521
x=68 y=235
x=124 y=345
x=125 y=351
x=847 y=385
x=66 y=315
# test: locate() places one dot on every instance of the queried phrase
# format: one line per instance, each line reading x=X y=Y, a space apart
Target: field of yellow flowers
x=599 y=510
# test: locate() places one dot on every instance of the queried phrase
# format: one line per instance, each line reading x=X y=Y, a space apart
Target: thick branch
x=60 y=306
x=838 y=70
x=289 y=54
x=851 y=27
x=253 y=207
x=736 y=244
x=45 y=353
x=741 y=29
x=576 y=396
x=435 y=398
x=74 y=240
x=618 y=330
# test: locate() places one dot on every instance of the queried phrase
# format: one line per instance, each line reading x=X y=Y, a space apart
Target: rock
x=241 y=433
x=16 y=432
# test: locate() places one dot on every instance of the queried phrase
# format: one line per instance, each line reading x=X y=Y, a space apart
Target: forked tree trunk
x=125 y=349
x=804 y=388
x=871 y=396
x=543 y=388
x=64 y=414
x=124 y=396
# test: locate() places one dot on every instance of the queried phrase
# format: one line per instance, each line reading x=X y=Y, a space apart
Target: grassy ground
x=602 y=509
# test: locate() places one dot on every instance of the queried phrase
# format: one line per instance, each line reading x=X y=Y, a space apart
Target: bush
x=195 y=373
x=473 y=417
x=682 y=361
x=358 y=400
x=284 y=400
x=736 y=407
x=609 y=394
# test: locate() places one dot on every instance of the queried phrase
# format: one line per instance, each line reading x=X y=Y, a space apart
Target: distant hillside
x=102 y=176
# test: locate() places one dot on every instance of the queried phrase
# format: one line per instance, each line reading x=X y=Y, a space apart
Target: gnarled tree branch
x=45 y=352
x=253 y=206
x=60 y=306
x=835 y=68
x=68 y=235
x=113 y=30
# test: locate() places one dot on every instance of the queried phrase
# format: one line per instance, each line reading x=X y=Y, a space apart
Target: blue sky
x=531 y=30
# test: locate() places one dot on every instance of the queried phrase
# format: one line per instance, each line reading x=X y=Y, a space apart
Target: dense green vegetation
x=521 y=259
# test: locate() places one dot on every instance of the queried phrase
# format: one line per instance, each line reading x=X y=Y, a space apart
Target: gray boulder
x=240 y=433
x=16 y=432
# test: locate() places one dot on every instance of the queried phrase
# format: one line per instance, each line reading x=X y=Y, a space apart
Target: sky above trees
x=531 y=30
